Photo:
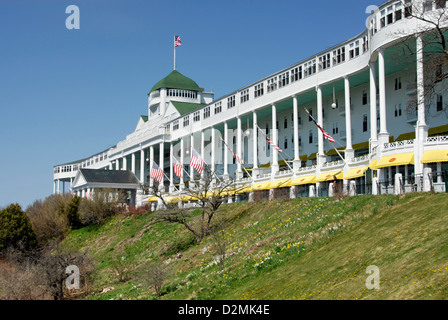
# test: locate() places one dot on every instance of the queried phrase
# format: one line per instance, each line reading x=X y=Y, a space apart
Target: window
x=365 y=44
x=427 y=6
x=335 y=128
x=310 y=137
x=259 y=90
x=300 y=140
x=284 y=79
x=218 y=107
x=364 y=97
x=339 y=55
x=439 y=102
x=272 y=84
x=175 y=125
x=296 y=74
x=364 y=123
x=398 y=12
x=267 y=129
x=440 y=4
x=390 y=15
x=310 y=115
x=231 y=102
x=285 y=123
x=196 y=116
x=408 y=9
x=398 y=83
x=354 y=49
x=186 y=121
x=310 y=68
x=206 y=112
x=285 y=144
x=244 y=95
x=397 y=110
x=324 y=62
x=383 y=19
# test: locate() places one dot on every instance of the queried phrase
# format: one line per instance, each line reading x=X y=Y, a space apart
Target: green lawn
x=311 y=248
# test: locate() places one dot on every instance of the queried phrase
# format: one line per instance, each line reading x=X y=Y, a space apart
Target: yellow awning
x=435 y=156
x=152 y=199
x=172 y=199
x=244 y=189
x=406 y=136
x=281 y=183
x=356 y=173
x=312 y=156
x=303 y=158
x=261 y=186
x=362 y=145
x=332 y=152
x=396 y=160
x=438 y=130
x=372 y=164
x=303 y=180
x=329 y=176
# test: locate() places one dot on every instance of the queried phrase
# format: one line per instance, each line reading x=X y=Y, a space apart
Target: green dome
x=176 y=80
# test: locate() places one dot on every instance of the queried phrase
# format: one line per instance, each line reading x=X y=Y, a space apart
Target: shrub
x=48 y=218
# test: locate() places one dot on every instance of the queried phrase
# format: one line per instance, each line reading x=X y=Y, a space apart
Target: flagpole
x=237 y=159
x=280 y=153
x=174 y=45
x=327 y=139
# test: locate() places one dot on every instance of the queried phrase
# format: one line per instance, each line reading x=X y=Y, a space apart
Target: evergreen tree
x=15 y=229
x=73 y=213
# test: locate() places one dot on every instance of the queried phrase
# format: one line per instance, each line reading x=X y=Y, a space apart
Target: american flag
x=196 y=161
x=241 y=161
x=325 y=133
x=276 y=147
x=177 y=167
x=156 y=172
x=177 y=41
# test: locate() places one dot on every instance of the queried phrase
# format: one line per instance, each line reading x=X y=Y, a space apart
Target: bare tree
x=208 y=194
x=155 y=276
x=431 y=18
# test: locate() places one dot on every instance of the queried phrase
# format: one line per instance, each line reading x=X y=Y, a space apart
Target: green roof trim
x=144 y=118
x=186 y=107
x=176 y=80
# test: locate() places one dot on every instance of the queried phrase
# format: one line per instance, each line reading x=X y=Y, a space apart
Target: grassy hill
x=311 y=248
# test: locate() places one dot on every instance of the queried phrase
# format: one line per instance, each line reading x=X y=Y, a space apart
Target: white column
x=373 y=111
x=421 y=128
x=202 y=150
x=125 y=163
x=255 y=144
x=226 y=156
x=142 y=166
x=117 y=164
x=58 y=186
x=191 y=150
x=320 y=120
x=384 y=135
x=297 y=162
x=213 y=147
x=274 y=138
x=161 y=157
x=348 y=115
x=182 y=185
x=239 y=170
x=171 y=168
x=151 y=160
x=54 y=186
x=111 y=166
x=133 y=162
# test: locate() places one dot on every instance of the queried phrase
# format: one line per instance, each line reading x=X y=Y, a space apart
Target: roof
x=186 y=107
x=109 y=176
x=176 y=80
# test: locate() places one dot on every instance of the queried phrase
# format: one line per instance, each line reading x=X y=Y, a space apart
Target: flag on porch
x=177 y=166
x=156 y=172
x=196 y=161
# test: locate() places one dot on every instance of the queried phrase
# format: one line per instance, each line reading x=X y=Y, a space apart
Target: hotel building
x=364 y=92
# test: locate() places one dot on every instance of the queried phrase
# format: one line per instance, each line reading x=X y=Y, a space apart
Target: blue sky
x=68 y=94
